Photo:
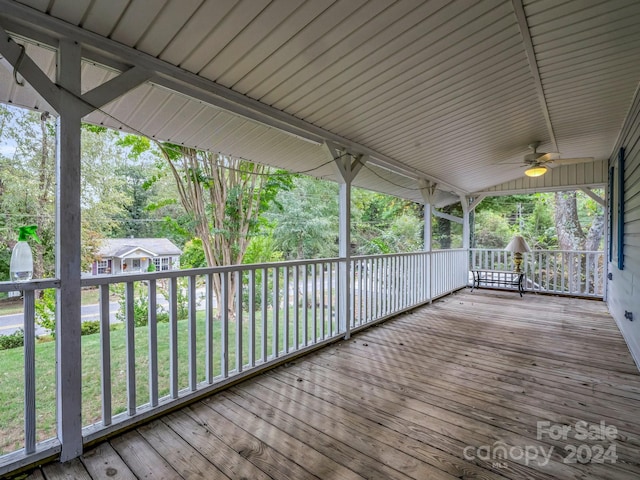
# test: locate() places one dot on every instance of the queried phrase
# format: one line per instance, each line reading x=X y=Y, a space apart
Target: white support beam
x=114 y=88
x=594 y=195
x=521 y=16
x=476 y=201
x=348 y=165
x=524 y=191
x=344 y=266
x=23 y=19
x=68 y=247
x=18 y=60
x=466 y=227
x=446 y=216
x=428 y=191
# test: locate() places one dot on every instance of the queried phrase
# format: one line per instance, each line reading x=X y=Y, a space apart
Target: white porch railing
x=188 y=344
x=576 y=273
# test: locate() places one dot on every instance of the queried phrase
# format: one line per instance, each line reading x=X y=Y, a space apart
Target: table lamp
x=517 y=246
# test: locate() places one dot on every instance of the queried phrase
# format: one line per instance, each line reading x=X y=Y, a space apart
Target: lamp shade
x=517 y=245
x=536 y=171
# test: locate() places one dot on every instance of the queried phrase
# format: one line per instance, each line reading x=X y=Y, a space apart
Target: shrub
x=141 y=304
x=90 y=327
x=45 y=310
x=13 y=340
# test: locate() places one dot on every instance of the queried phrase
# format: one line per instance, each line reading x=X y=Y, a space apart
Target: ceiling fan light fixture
x=536 y=171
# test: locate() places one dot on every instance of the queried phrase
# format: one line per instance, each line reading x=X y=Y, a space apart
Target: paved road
x=11 y=323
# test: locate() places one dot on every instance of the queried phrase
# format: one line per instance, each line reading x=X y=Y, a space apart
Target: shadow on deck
x=440 y=393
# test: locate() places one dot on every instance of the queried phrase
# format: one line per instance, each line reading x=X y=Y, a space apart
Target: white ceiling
x=442 y=90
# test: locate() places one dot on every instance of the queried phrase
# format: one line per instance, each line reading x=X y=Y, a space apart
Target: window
x=163 y=263
x=103 y=267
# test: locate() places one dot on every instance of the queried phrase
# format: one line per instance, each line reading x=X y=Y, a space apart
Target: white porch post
x=428 y=190
x=68 y=314
x=466 y=230
x=66 y=99
x=466 y=233
x=348 y=165
x=344 y=252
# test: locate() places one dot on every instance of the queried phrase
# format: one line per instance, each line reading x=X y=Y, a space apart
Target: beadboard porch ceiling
x=447 y=91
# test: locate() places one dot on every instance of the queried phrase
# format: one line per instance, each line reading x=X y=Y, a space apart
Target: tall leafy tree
x=28 y=183
x=225 y=197
x=385 y=224
x=305 y=219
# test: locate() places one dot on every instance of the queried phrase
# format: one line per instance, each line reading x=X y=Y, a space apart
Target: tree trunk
x=570 y=234
x=224 y=195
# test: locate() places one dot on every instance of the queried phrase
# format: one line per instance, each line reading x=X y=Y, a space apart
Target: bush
x=13 y=340
x=141 y=304
x=45 y=309
x=90 y=327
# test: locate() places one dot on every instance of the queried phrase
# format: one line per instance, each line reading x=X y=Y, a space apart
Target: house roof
x=121 y=247
x=450 y=92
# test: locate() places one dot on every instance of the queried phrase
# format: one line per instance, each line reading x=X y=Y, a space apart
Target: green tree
x=385 y=224
x=305 y=219
x=28 y=183
x=193 y=255
x=492 y=230
x=225 y=197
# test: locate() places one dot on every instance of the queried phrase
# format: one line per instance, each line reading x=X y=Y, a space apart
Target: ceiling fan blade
x=547 y=157
x=568 y=161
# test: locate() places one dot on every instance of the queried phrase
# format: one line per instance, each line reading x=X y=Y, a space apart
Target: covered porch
x=473 y=386
x=431 y=102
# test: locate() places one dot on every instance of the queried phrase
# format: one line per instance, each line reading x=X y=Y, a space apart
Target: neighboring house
x=127 y=255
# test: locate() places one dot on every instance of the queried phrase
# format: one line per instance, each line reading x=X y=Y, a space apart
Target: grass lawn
x=12 y=377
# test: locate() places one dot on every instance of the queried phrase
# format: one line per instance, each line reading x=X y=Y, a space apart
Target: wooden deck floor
x=428 y=395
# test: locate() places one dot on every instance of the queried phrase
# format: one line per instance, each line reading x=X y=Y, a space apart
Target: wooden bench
x=498 y=278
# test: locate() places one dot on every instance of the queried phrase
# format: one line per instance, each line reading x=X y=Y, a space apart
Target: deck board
x=403 y=400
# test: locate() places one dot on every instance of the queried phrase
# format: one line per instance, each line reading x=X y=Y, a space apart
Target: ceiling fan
x=537 y=162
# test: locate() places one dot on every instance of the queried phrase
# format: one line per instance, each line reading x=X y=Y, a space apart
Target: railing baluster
x=252 y=317
x=375 y=288
x=368 y=290
x=224 y=324
x=153 y=345
x=296 y=309
x=394 y=284
x=105 y=354
x=29 y=371
x=191 y=331
x=208 y=328
x=131 y=349
x=305 y=306
x=330 y=300
x=264 y=314
x=276 y=310
x=588 y=274
x=352 y=298
x=323 y=302
x=387 y=286
x=398 y=279
x=239 y=320
x=285 y=319
x=173 y=337
x=314 y=296
x=562 y=278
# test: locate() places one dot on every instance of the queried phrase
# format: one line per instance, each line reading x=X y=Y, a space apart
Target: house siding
x=623 y=292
